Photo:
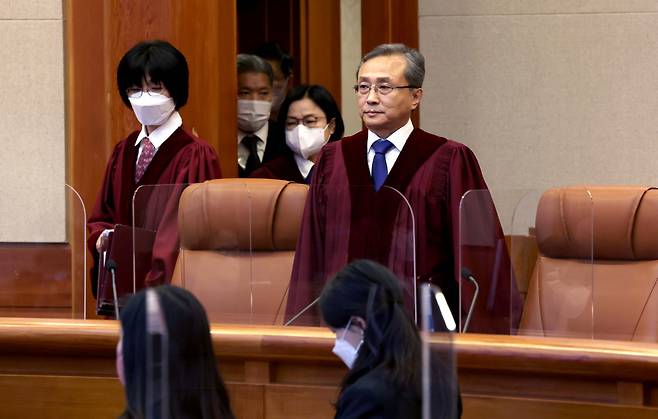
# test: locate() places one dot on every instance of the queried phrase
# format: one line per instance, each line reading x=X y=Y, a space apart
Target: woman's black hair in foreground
x=321 y=97
x=391 y=341
x=162 y=62
x=194 y=387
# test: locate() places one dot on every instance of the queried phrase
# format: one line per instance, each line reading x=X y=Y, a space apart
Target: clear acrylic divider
x=142 y=253
x=77 y=238
x=551 y=243
x=488 y=295
x=42 y=264
x=237 y=247
x=347 y=223
x=438 y=369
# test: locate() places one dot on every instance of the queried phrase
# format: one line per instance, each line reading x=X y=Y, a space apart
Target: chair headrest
x=239 y=214
x=603 y=222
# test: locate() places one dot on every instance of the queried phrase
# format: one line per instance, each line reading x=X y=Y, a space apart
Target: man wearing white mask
x=152 y=79
x=258 y=139
x=311 y=118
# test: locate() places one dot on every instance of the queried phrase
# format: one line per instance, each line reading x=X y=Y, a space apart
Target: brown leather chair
x=238 y=239
x=597 y=268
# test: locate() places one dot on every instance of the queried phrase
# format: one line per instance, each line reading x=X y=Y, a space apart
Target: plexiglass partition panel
x=216 y=262
x=625 y=262
x=344 y=224
x=43 y=255
x=439 y=389
x=558 y=289
x=141 y=254
x=488 y=296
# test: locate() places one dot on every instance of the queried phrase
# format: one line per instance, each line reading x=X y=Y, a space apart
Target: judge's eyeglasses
x=383 y=89
x=310 y=121
x=136 y=92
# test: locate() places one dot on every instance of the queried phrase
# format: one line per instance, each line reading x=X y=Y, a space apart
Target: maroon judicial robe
x=282 y=167
x=181 y=159
x=345 y=219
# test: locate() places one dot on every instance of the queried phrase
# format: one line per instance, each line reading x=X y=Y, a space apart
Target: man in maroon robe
x=153 y=80
x=408 y=218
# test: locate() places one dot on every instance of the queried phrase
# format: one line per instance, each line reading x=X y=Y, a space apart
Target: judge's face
x=254 y=86
x=385 y=114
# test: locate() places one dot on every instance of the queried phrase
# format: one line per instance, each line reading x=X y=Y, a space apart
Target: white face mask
x=152 y=109
x=304 y=141
x=253 y=114
x=344 y=350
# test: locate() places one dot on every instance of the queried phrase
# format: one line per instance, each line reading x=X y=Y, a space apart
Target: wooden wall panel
x=390 y=21
x=206 y=34
x=320 y=45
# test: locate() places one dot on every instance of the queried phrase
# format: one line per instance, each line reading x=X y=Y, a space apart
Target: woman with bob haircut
x=363 y=305
x=311 y=118
x=165 y=358
x=152 y=79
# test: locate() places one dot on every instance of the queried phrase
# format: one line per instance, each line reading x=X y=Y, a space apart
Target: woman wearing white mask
x=311 y=118
x=152 y=80
x=363 y=305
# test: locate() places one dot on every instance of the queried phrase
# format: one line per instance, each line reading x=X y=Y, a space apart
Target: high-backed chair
x=597 y=268
x=238 y=239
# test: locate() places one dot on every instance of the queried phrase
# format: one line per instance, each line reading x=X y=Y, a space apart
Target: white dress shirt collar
x=398 y=138
x=261 y=134
x=161 y=133
x=304 y=165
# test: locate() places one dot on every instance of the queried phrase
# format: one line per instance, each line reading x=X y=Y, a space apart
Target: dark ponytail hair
x=391 y=341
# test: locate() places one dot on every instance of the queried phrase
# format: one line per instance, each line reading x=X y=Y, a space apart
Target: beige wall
x=32 y=137
x=546 y=93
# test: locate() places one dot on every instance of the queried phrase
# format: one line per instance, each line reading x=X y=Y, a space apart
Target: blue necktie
x=379 y=169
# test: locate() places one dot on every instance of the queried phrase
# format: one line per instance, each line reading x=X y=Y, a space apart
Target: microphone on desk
x=296 y=316
x=467 y=274
x=111 y=266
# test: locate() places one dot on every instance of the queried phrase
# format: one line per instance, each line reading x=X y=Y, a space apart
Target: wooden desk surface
x=67 y=368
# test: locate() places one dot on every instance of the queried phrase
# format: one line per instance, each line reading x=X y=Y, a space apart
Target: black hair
x=162 y=62
x=273 y=51
x=195 y=387
x=390 y=341
x=321 y=97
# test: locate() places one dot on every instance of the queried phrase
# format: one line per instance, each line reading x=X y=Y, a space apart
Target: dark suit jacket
x=275 y=146
x=374 y=396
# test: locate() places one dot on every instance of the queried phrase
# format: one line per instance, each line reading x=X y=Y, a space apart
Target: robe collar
x=417 y=149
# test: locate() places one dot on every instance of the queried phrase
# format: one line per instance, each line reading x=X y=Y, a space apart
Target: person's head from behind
x=165 y=357
x=389 y=87
x=311 y=118
x=153 y=80
x=282 y=64
x=363 y=304
x=255 y=80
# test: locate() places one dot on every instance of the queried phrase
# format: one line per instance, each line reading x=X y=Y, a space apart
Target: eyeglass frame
x=132 y=92
x=301 y=121
x=377 y=88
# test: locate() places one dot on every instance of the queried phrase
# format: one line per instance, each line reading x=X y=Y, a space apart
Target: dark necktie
x=309 y=177
x=379 y=169
x=253 y=162
x=145 y=157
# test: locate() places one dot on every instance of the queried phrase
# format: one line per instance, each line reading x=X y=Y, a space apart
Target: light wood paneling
x=277 y=372
x=390 y=21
